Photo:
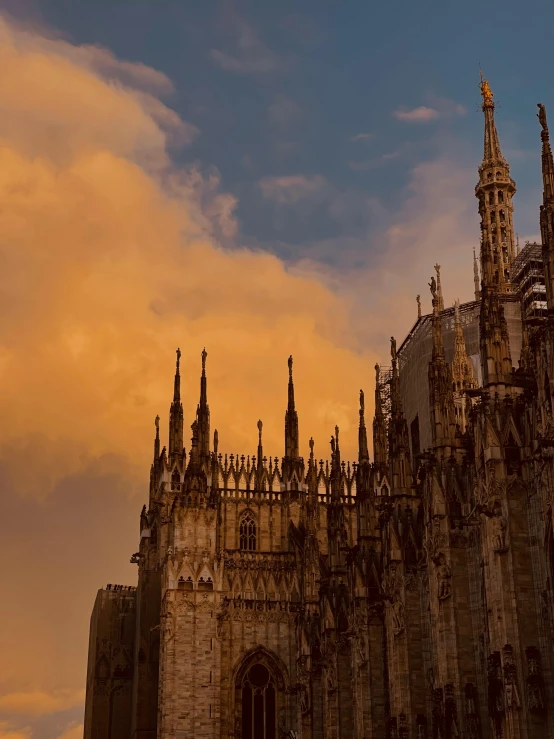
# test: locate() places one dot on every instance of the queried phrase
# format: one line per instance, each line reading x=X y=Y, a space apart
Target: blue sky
x=311 y=88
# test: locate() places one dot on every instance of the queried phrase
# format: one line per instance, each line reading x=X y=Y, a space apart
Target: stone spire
x=494 y=343
x=154 y=469
x=176 y=416
x=476 y=277
x=336 y=531
x=399 y=446
x=462 y=369
x=363 y=454
x=379 y=427
x=439 y=287
x=311 y=547
x=441 y=400
x=335 y=466
x=547 y=208
x=418 y=301
x=157 y=440
x=396 y=401
x=494 y=191
x=291 y=421
x=203 y=413
x=312 y=500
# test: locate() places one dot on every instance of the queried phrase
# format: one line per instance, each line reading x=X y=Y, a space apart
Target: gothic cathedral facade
x=408 y=597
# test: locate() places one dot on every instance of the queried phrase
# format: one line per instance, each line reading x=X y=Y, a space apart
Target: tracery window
x=247 y=532
x=258 y=704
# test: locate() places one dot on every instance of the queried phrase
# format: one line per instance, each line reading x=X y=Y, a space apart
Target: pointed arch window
x=500 y=196
x=248 y=532
x=258 y=704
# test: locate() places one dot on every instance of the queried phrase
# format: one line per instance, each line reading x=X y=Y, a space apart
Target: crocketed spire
x=203 y=413
x=363 y=453
x=291 y=421
x=176 y=416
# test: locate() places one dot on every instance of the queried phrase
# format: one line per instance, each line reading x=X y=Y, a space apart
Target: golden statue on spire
x=486 y=92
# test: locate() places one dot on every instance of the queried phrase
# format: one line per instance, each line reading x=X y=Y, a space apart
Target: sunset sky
x=262 y=179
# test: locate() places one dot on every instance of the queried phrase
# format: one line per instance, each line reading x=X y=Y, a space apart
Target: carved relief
x=444 y=577
x=536 y=698
x=498 y=525
x=472 y=715
x=511 y=687
x=495 y=689
x=392 y=589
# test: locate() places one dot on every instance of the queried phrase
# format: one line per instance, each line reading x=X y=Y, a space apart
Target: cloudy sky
x=263 y=179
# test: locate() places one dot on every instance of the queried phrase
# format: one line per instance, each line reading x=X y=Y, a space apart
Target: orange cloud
x=73 y=732
x=111 y=258
x=7 y=732
x=40 y=703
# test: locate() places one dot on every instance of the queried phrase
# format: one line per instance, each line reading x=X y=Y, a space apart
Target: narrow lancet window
x=247 y=532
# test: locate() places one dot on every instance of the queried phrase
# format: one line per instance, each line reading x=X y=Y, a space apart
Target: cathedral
x=407 y=596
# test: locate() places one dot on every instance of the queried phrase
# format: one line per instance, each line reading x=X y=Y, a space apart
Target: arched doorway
x=259 y=705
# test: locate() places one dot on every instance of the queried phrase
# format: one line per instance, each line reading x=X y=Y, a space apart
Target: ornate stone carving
x=511 y=687
x=536 y=699
x=444 y=577
x=495 y=688
x=473 y=728
x=450 y=711
x=498 y=528
x=459 y=539
x=392 y=589
x=437 y=712
x=421 y=727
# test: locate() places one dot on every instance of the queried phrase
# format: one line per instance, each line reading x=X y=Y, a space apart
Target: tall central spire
x=492 y=144
x=494 y=191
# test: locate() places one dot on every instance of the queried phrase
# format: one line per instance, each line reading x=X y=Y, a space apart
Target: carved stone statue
x=511 y=687
x=398 y=621
x=535 y=681
x=393 y=348
x=433 y=286
x=444 y=577
x=499 y=525
x=331 y=675
x=541 y=115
